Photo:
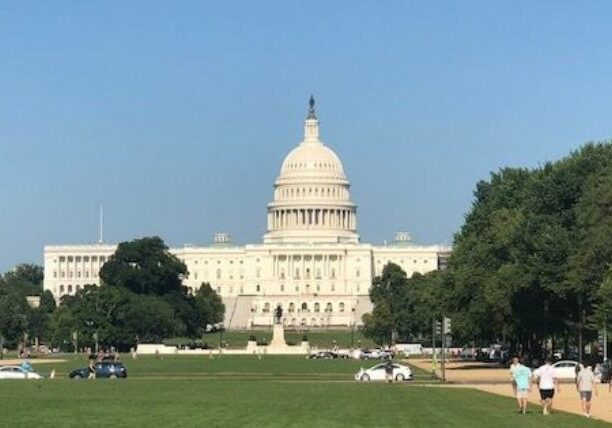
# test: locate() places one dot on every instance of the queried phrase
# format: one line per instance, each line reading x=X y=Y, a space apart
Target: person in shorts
x=548 y=383
x=522 y=380
x=515 y=364
x=585 y=385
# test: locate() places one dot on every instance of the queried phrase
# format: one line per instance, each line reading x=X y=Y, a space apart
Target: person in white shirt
x=548 y=383
x=585 y=384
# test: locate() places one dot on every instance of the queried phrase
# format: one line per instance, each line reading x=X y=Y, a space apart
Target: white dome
x=312 y=160
x=311 y=195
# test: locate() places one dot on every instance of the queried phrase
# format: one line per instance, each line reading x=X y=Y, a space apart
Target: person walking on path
x=585 y=385
x=548 y=383
x=515 y=364
x=522 y=381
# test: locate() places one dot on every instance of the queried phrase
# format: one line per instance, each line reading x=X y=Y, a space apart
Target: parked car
x=377 y=372
x=104 y=369
x=375 y=354
x=323 y=355
x=17 y=372
x=565 y=369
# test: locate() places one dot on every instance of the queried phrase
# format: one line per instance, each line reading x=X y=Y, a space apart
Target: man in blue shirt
x=522 y=377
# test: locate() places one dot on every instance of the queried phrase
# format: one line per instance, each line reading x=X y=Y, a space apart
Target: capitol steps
x=237 y=312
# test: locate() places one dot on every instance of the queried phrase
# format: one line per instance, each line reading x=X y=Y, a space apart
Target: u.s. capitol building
x=310 y=262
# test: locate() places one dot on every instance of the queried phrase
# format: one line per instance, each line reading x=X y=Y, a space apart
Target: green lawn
x=228 y=367
x=244 y=391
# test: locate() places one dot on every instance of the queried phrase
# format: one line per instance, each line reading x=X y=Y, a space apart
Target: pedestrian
x=515 y=364
x=585 y=385
x=389 y=371
x=91 y=369
x=522 y=381
x=547 y=383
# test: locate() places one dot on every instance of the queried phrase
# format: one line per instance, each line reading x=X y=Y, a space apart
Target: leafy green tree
x=25 y=273
x=144 y=266
x=13 y=317
x=208 y=305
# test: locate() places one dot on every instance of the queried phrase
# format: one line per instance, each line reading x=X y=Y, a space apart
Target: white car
x=16 y=372
x=565 y=369
x=400 y=373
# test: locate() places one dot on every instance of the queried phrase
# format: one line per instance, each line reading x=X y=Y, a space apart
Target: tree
x=13 y=317
x=209 y=305
x=28 y=273
x=144 y=266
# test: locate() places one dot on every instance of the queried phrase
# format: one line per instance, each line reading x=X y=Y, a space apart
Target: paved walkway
x=34 y=362
x=495 y=380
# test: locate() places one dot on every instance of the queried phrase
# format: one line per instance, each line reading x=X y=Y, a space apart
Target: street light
x=90 y=324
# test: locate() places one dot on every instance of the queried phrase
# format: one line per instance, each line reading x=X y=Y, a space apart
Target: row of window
x=79 y=259
x=401 y=262
x=291 y=308
x=69 y=289
x=282 y=288
x=71 y=274
x=281 y=275
x=324 y=192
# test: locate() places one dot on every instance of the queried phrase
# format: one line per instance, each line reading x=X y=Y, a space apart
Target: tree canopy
x=531 y=261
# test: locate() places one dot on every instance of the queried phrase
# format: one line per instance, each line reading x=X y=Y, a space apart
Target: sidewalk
x=495 y=380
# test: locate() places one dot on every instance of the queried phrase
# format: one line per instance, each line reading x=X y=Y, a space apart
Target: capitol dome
x=312 y=159
x=311 y=194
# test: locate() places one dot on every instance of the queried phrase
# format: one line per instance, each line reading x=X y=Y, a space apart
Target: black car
x=104 y=369
x=324 y=355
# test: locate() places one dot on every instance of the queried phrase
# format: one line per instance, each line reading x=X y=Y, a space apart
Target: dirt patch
x=468 y=372
x=34 y=362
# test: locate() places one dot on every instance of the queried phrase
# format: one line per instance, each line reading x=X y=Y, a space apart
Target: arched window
x=62 y=289
x=333 y=273
x=258 y=288
x=328 y=307
x=317 y=307
x=70 y=289
x=304 y=306
x=341 y=307
x=307 y=273
x=297 y=273
x=282 y=274
x=291 y=307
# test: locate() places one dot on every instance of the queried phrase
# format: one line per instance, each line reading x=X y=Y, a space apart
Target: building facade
x=310 y=262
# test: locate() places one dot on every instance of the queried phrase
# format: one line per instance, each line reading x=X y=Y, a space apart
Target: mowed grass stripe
x=239 y=403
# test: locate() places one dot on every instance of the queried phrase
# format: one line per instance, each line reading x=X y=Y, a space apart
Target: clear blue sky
x=177 y=115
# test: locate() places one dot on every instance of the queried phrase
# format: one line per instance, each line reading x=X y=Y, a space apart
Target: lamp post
x=90 y=324
x=581 y=313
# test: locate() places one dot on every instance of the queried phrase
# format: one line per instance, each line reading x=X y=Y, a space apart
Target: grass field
x=245 y=391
